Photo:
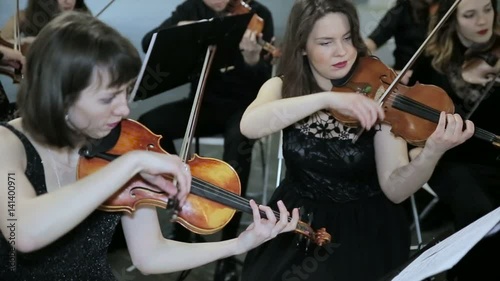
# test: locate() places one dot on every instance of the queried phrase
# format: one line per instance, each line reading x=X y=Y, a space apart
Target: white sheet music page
x=448 y=252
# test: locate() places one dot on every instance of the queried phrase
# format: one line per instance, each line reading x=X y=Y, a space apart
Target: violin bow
x=103 y=9
x=411 y=61
x=17 y=29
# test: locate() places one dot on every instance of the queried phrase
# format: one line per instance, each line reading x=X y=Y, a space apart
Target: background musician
x=468 y=176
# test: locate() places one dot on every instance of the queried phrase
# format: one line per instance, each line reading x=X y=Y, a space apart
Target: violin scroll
x=320 y=237
x=256 y=24
x=482 y=64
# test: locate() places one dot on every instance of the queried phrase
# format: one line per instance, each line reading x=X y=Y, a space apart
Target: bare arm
x=398 y=177
x=152 y=254
x=43 y=219
x=269 y=112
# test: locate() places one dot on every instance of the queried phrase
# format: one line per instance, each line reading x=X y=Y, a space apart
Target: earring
x=66 y=117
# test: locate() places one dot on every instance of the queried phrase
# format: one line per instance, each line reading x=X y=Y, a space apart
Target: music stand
x=175 y=54
x=447 y=250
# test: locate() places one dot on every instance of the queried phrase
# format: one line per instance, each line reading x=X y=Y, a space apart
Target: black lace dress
x=335 y=181
x=80 y=255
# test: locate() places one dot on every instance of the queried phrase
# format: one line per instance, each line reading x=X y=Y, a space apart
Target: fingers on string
x=442 y=122
x=459 y=125
x=469 y=129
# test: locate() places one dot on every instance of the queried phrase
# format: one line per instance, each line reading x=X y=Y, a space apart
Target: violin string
x=220 y=192
x=430 y=112
x=433 y=113
x=238 y=200
x=225 y=194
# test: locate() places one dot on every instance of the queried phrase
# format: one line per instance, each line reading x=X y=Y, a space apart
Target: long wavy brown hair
x=442 y=46
x=293 y=65
x=39 y=12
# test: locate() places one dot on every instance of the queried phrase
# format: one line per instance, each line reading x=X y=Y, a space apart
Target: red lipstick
x=341 y=64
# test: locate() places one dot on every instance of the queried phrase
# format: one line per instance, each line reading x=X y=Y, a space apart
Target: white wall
x=133 y=18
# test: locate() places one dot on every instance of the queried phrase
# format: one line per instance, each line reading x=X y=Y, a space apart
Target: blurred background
x=134 y=18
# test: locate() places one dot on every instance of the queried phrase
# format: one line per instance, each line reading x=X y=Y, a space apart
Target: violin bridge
x=379 y=93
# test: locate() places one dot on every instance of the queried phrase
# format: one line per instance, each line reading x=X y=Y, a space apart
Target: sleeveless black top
x=81 y=254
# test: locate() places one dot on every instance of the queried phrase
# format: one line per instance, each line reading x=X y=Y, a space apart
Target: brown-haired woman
x=352 y=189
x=78 y=75
x=468 y=176
x=37 y=14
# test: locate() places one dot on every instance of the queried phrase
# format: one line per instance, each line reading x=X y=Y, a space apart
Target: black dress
x=7 y=109
x=79 y=255
x=335 y=181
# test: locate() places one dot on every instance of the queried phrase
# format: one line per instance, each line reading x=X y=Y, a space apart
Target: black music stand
x=448 y=245
x=176 y=54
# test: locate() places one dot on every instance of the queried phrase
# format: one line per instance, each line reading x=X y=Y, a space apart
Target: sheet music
x=451 y=250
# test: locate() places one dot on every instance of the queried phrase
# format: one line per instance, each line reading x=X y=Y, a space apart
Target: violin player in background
x=467 y=178
x=352 y=189
x=36 y=15
x=227 y=93
x=14 y=59
x=78 y=75
x=407 y=22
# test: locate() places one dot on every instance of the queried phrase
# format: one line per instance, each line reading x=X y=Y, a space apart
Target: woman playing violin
x=468 y=176
x=79 y=72
x=37 y=14
x=353 y=189
x=9 y=58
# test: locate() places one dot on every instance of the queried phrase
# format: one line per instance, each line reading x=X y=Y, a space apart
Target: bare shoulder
x=11 y=149
x=271 y=89
x=275 y=81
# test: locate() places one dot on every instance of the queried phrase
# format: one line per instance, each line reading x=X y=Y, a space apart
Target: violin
x=413 y=112
x=214 y=196
x=481 y=66
x=14 y=73
x=481 y=61
x=256 y=24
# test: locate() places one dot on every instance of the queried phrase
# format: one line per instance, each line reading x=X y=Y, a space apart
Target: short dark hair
x=60 y=64
x=293 y=65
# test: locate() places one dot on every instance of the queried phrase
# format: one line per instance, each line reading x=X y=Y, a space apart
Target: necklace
x=53 y=164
